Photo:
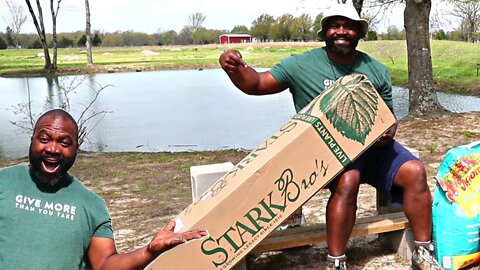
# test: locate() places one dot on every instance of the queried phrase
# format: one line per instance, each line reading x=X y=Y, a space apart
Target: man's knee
x=346 y=186
x=412 y=174
x=414 y=168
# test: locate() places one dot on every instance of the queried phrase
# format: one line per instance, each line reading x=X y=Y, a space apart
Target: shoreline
x=72 y=61
x=105 y=69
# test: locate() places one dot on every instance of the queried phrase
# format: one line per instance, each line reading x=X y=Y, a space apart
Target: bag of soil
x=456 y=208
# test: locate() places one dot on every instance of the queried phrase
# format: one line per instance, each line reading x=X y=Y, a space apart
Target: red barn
x=235 y=38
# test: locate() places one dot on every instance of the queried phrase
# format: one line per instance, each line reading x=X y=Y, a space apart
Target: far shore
x=455 y=73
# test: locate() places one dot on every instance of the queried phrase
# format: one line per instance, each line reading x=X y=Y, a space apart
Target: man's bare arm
x=246 y=78
x=103 y=254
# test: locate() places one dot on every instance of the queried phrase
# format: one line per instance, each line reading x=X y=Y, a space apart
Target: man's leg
x=417 y=200
x=417 y=204
x=341 y=211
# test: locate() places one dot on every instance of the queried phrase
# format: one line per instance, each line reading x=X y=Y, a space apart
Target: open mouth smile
x=341 y=41
x=50 y=166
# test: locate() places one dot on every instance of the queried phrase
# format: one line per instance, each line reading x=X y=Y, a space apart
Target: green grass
x=454 y=63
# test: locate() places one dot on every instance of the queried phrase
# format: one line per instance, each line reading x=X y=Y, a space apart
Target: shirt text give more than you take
x=46 y=208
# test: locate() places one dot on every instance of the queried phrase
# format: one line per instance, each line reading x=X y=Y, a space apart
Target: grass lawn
x=454 y=63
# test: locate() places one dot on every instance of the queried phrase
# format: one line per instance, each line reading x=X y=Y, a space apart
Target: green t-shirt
x=47 y=229
x=308 y=74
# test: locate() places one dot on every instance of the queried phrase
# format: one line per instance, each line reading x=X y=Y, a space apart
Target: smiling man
x=49 y=220
x=387 y=166
x=53 y=148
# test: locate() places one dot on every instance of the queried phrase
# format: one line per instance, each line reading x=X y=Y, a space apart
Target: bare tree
x=66 y=87
x=88 y=35
x=358 y=4
x=18 y=18
x=196 y=20
x=39 y=25
x=54 y=10
x=379 y=9
x=435 y=23
x=27 y=123
x=468 y=11
x=88 y=119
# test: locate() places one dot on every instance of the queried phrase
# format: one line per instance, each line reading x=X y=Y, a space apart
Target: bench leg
x=400 y=241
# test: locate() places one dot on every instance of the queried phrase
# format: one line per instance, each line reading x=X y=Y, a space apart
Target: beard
x=341 y=49
x=44 y=177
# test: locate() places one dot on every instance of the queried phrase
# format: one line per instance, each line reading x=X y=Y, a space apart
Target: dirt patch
x=144 y=190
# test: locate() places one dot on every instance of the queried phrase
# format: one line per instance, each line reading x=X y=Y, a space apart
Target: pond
x=182 y=110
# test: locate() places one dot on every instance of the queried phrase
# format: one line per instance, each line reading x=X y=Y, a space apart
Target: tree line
x=265 y=28
x=202 y=36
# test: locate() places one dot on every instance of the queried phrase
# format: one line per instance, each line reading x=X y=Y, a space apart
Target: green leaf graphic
x=351 y=106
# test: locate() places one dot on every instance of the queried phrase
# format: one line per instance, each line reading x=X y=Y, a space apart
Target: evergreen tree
x=440 y=35
x=96 y=41
x=10 y=37
x=81 y=42
x=3 y=44
x=371 y=35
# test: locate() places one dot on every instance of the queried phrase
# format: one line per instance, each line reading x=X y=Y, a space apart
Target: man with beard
x=387 y=166
x=49 y=220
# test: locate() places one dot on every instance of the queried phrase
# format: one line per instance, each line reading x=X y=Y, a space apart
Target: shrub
x=3 y=44
x=36 y=44
x=371 y=35
x=81 y=42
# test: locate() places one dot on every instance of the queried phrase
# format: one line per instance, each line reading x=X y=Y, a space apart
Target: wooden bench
x=308 y=235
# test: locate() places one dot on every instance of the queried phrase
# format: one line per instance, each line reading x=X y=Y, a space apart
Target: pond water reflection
x=185 y=110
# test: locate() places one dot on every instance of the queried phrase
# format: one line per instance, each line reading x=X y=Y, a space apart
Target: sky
x=151 y=16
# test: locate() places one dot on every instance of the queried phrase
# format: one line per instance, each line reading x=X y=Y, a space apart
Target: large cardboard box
x=280 y=175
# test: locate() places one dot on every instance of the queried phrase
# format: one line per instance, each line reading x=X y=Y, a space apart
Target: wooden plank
x=317 y=233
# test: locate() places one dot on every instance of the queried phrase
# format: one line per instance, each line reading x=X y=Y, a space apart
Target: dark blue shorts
x=379 y=165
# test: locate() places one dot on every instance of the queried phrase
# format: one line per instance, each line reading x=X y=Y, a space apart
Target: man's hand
x=246 y=78
x=231 y=61
x=167 y=239
x=387 y=138
x=102 y=252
